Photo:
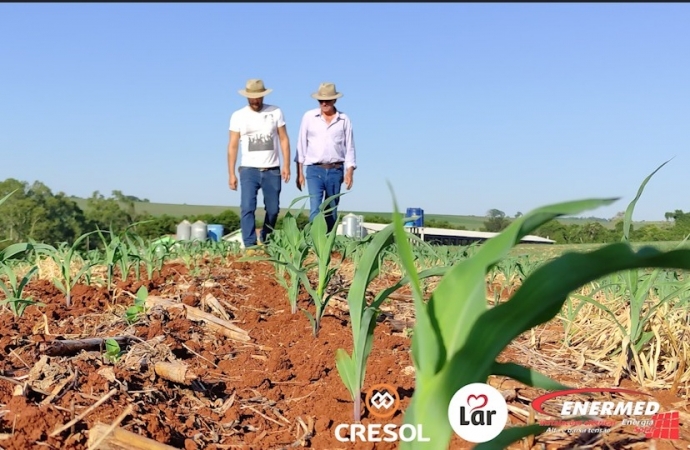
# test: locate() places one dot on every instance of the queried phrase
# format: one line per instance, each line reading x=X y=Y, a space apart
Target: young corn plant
x=14 y=290
x=134 y=312
x=352 y=368
x=570 y=312
x=152 y=254
x=457 y=338
x=63 y=259
x=113 y=353
x=291 y=253
x=525 y=266
x=112 y=255
x=322 y=242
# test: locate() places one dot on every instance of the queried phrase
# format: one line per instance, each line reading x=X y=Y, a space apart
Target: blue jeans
x=270 y=183
x=323 y=183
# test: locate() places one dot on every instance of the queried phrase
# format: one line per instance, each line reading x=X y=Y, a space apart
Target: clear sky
x=462 y=107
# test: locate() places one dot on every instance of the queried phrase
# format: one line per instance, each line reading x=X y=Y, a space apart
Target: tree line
x=34 y=212
x=593 y=232
x=590 y=232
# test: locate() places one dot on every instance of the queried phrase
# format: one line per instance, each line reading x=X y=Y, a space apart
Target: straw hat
x=255 y=89
x=326 y=92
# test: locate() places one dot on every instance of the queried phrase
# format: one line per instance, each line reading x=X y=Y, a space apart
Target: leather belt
x=329 y=165
x=262 y=169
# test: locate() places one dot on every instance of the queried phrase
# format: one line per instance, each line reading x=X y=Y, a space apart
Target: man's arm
x=233 y=145
x=285 y=148
x=301 y=151
x=350 y=156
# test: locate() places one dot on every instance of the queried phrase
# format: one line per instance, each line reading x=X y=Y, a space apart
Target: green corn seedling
x=322 y=242
x=352 y=368
x=63 y=258
x=14 y=291
x=295 y=253
x=152 y=254
x=525 y=266
x=568 y=316
x=112 y=255
x=113 y=353
x=133 y=313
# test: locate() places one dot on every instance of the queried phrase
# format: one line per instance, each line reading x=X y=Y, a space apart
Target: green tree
x=114 y=213
x=61 y=219
x=34 y=212
x=555 y=230
x=497 y=221
x=591 y=233
x=153 y=227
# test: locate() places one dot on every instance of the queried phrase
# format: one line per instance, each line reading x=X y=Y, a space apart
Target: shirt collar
x=317 y=113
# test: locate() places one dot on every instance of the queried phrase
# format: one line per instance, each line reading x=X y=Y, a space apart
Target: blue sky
x=462 y=107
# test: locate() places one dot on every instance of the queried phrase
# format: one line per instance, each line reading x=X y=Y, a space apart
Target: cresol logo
x=382 y=402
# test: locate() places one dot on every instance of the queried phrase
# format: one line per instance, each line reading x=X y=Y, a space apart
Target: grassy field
x=469 y=222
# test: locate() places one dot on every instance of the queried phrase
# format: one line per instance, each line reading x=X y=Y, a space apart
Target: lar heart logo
x=477 y=412
x=474 y=399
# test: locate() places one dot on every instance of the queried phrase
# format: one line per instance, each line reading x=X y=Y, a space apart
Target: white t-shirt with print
x=259 y=141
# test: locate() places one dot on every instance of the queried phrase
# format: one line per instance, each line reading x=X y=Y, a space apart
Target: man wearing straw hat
x=326 y=147
x=259 y=131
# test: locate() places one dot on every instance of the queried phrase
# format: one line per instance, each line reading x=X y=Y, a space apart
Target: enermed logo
x=478 y=412
x=643 y=414
x=382 y=402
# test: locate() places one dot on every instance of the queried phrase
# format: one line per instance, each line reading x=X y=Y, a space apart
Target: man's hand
x=233 y=182
x=348 y=178
x=300 y=181
x=286 y=173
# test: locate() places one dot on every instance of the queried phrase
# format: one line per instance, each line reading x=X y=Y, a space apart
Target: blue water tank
x=215 y=231
x=419 y=212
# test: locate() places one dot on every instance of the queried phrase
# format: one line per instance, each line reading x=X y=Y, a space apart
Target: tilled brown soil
x=279 y=390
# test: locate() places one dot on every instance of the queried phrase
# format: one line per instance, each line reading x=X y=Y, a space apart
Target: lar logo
x=478 y=412
x=382 y=401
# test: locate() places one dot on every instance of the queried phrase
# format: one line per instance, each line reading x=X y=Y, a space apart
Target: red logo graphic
x=664 y=426
x=477 y=398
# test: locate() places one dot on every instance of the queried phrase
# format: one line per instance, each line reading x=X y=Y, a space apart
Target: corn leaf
x=526 y=376
x=627 y=218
